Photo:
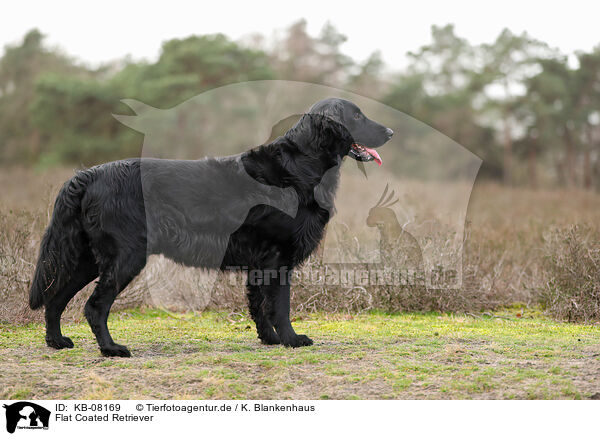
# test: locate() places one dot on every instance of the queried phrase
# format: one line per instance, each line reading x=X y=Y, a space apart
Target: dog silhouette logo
x=432 y=176
x=26 y=415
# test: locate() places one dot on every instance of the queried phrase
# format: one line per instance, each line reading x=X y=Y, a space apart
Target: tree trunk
x=35 y=149
x=507 y=137
x=587 y=169
x=531 y=164
x=587 y=160
x=507 y=152
x=569 y=158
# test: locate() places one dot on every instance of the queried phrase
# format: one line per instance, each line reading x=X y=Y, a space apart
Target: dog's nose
x=389 y=132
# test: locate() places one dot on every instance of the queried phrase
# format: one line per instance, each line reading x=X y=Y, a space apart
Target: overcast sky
x=102 y=31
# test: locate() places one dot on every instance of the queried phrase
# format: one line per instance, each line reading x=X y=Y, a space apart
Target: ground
x=517 y=353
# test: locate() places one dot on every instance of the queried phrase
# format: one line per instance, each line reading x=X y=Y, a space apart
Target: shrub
x=572 y=289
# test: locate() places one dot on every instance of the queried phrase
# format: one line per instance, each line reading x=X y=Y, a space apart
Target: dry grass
x=572 y=292
x=510 y=239
x=503 y=258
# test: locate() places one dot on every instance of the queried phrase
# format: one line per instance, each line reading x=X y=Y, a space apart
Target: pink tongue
x=374 y=154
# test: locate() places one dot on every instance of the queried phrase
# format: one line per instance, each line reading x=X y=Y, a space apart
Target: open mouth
x=365 y=154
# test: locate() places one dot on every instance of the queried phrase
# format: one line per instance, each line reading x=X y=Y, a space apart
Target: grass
x=517 y=353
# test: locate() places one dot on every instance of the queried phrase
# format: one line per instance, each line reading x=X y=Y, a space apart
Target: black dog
x=264 y=209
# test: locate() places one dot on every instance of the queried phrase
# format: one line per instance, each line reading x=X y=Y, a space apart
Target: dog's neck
x=308 y=158
x=282 y=164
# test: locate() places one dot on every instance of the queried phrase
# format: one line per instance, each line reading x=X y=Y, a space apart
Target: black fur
x=264 y=209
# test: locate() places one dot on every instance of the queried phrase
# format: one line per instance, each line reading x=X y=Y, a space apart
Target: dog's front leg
x=256 y=304
x=276 y=290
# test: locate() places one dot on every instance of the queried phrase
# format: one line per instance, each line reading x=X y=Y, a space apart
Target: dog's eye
x=357 y=116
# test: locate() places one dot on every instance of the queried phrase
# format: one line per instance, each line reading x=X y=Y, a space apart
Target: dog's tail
x=61 y=245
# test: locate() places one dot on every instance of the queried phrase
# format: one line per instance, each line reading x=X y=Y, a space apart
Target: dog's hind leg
x=85 y=272
x=114 y=277
x=256 y=303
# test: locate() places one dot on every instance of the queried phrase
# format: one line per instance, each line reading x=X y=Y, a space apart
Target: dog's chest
x=309 y=230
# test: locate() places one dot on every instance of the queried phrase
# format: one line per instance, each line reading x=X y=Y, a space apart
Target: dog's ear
x=316 y=134
x=334 y=130
x=329 y=136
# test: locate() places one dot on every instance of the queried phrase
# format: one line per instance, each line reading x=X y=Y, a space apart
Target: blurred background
x=527 y=107
x=517 y=85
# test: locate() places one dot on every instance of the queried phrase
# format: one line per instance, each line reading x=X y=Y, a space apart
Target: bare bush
x=505 y=260
x=17 y=254
x=572 y=260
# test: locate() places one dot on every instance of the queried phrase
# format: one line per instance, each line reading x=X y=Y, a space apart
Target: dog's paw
x=59 y=342
x=115 y=350
x=299 y=341
x=269 y=337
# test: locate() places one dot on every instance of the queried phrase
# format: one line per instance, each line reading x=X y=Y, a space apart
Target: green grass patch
x=367 y=356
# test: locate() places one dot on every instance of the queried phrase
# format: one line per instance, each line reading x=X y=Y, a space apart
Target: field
x=514 y=354
x=527 y=268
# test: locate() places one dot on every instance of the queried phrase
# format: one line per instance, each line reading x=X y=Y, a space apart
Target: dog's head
x=358 y=135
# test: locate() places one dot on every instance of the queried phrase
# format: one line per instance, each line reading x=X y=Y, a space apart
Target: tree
x=301 y=57
x=74 y=117
x=507 y=62
x=555 y=96
x=187 y=67
x=588 y=104
x=20 y=67
x=367 y=80
x=440 y=88
x=333 y=64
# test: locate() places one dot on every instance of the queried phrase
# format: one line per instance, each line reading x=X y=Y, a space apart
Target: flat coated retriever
x=264 y=210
